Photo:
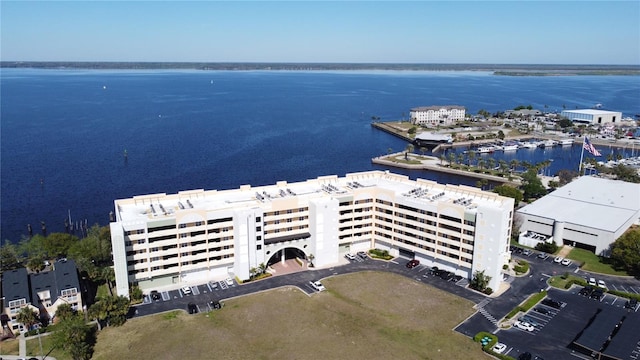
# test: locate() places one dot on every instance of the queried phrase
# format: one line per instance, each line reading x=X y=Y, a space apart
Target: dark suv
x=155 y=295
x=631 y=304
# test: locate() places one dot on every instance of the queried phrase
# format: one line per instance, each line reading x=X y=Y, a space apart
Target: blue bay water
x=64 y=132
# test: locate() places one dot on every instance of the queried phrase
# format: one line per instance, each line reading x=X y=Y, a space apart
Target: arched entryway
x=288 y=260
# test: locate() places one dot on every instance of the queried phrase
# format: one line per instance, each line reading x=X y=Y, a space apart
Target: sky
x=481 y=32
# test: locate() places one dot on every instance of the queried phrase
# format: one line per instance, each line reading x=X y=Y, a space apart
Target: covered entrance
x=288 y=260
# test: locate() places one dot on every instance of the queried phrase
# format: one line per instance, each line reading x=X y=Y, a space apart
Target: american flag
x=590 y=148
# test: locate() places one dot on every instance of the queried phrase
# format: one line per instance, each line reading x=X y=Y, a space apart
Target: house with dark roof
x=44 y=291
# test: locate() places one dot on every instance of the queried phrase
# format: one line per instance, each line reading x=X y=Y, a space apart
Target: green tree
x=252 y=272
x=500 y=134
x=412 y=130
x=532 y=186
x=566 y=176
x=58 y=244
x=471 y=156
x=452 y=158
x=110 y=310
x=262 y=267
x=625 y=251
x=482 y=183
x=27 y=317
x=9 y=257
x=409 y=148
x=63 y=312
x=565 y=123
x=74 y=337
x=509 y=191
x=135 y=293
x=480 y=281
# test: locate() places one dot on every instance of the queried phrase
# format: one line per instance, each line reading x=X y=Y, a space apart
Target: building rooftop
x=141 y=209
x=15 y=285
x=590 y=201
x=63 y=276
x=437 y=107
x=591 y=111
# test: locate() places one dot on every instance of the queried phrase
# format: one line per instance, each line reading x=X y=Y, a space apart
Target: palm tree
x=311 y=257
x=252 y=272
x=452 y=158
x=492 y=163
x=503 y=166
x=461 y=158
x=442 y=159
x=409 y=148
x=481 y=163
x=471 y=157
x=27 y=317
x=262 y=267
x=514 y=164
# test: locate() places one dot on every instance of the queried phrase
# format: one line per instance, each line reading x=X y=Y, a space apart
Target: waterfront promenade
x=418 y=162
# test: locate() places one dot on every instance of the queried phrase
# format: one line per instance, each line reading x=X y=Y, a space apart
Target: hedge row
x=528 y=304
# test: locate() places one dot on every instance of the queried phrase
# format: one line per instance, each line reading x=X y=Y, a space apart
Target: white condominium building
x=199 y=235
x=437 y=115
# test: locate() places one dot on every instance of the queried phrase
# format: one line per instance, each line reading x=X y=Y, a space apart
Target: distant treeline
x=498 y=69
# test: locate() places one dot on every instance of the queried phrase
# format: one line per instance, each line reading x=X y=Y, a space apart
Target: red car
x=413 y=263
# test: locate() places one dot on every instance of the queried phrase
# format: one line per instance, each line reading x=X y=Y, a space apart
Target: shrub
x=505 y=267
x=380 y=254
x=522 y=267
x=488 y=291
x=549 y=247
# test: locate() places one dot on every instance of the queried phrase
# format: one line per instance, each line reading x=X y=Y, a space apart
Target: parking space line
x=195 y=290
x=165 y=296
x=209 y=286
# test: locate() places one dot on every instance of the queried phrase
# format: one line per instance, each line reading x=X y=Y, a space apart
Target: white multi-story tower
x=437 y=115
x=195 y=235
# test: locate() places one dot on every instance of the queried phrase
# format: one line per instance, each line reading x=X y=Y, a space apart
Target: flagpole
x=581 y=156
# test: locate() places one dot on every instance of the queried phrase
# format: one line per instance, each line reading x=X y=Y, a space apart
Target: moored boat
x=565 y=142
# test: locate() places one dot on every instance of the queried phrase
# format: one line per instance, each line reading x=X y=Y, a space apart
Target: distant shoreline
x=496 y=69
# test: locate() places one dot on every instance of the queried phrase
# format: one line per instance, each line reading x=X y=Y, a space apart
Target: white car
x=499 y=348
x=566 y=262
x=186 y=290
x=524 y=325
x=349 y=256
x=601 y=284
x=592 y=281
x=558 y=259
x=317 y=285
x=229 y=281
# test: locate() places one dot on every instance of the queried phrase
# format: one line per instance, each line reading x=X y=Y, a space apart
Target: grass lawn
x=592 y=262
x=368 y=315
x=560 y=283
x=11 y=347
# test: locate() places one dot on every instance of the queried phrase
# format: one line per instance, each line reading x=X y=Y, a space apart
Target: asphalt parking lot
x=554 y=328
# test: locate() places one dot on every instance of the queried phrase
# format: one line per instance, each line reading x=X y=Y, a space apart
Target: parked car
x=349 y=256
x=524 y=325
x=553 y=303
x=413 y=263
x=543 y=256
x=601 y=284
x=499 y=348
x=566 y=262
x=597 y=294
x=586 y=291
x=525 y=356
x=631 y=304
x=229 y=281
x=193 y=309
x=155 y=295
x=558 y=259
x=529 y=319
x=592 y=281
x=542 y=310
x=186 y=290
x=526 y=252
x=317 y=285
x=362 y=254
x=215 y=304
